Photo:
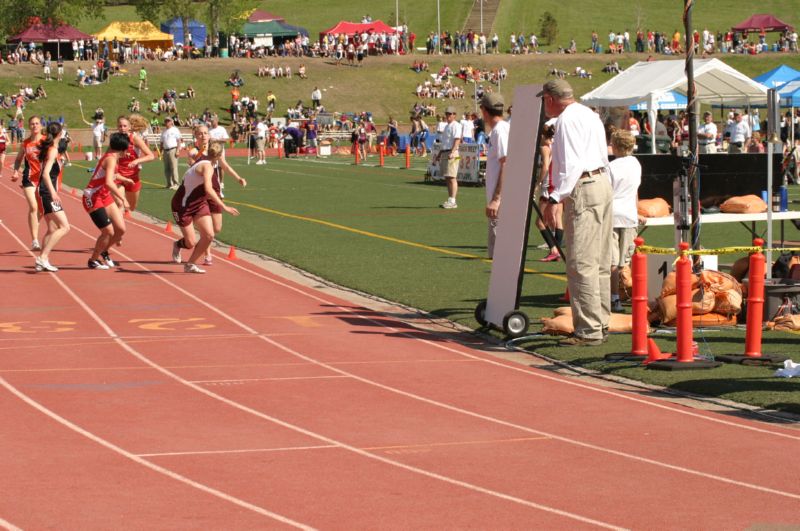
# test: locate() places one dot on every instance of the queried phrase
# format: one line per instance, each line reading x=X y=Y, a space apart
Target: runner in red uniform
x=100 y=199
x=30 y=176
x=190 y=206
x=53 y=147
x=3 y=146
x=138 y=153
x=200 y=152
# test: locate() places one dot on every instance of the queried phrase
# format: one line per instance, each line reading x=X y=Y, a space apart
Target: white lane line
x=243 y=380
x=275 y=420
x=568 y=440
x=121 y=451
x=8 y=526
x=243 y=451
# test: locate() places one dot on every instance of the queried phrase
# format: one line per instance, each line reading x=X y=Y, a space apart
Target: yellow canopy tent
x=145 y=33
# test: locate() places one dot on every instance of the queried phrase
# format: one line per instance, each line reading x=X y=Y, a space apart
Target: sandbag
x=620 y=323
x=785 y=323
x=745 y=204
x=740 y=268
x=669 y=287
x=625 y=283
x=564 y=310
x=558 y=326
x=703 y=301
x=718 y=281
x=728 y=302
x=653 y=208
x=713 y=319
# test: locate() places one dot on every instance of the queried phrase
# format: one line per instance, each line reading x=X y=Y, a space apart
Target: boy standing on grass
x=142 y=79
x=626 y=176
x=497 y=149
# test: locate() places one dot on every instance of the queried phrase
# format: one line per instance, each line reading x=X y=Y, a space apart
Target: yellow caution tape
x=647 y=249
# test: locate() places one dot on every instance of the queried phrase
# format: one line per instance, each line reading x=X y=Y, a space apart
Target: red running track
x=145 y=397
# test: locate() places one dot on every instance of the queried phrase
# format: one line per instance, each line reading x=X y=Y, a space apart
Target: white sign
x=661 y=265
x=509 y=251
x=263 y=40
x=468 y=163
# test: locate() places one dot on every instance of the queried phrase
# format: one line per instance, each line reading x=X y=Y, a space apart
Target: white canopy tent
x=648 y=81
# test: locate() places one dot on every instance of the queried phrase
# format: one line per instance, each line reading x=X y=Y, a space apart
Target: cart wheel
x=515 y=324
x=480 y=313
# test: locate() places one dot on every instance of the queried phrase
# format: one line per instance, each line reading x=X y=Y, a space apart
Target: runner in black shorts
x=29 y=153
x=52 y=149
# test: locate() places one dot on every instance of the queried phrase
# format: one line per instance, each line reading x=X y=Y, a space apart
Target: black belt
x=170 y=149
x=737 y=144
x=587 y=174
x=705 y=143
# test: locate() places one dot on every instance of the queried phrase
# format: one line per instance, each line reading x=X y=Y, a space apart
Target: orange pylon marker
x=74 y=193
x=232 y=253
x=127 y=213
x=358 y=156
x=408 y=156
x=654 y=353
x=168 y=228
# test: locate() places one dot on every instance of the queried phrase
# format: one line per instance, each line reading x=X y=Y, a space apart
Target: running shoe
x=449 y=204
x=552 y=257
x=192 y=268
x=616 y=306
x=107 y=258
x=35 y=246
x=38 y=264
x=96 y=264
x=543 y=247
x=176 y=252
x=208 y=261
x=47 y=266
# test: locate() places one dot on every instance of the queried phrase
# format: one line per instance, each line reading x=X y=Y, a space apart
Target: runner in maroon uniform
x=29 y=153
x=53 y=147
x=190 y=206
x=137 y=153
x=3 y=145
x=100 y=200
x=200 y=152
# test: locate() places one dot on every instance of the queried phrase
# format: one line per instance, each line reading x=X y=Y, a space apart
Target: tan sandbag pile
x=653 y=208
x=716 y=300
x=745 y=204
x=785 y=323
x=625 y=283
x=561 y=323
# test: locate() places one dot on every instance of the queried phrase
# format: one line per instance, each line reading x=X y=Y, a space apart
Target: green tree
x=157 y=10
x=15 y=15
x=228 y=15
x=548 y=28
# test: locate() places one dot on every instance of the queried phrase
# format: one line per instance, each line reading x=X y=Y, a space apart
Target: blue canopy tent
x=668 y=102
x=196 y=29
x=777 y=76
x=789 y=93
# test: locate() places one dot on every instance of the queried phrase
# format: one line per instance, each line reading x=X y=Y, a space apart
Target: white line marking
x=242 y=380
x=8 y=526
x=237 y=405
x=442 y=405
x=121 y=451
x=244 y=451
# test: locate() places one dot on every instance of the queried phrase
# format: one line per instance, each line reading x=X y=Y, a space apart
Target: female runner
x=190 y=207
x=3 y=145
x=100 y=200
x=53 y=147
x=30 y=176
x=138 y=152
x=200 y=152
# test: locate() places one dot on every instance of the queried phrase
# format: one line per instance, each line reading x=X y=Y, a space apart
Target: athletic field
x=380 y=231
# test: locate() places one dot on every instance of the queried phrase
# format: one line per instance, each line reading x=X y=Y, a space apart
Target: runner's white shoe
x=449 y=204
x=37 y=263
x=176 y=252
x=208 y=261
x=47 y=266
x=35 y=246
x=192 y=268
x=95 y=264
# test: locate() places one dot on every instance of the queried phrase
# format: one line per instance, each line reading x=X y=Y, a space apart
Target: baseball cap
x=558 y=88
x=492 y=101
x=450 y=110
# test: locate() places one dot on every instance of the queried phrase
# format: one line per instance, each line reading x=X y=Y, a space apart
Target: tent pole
x=691 y=105
x=651 y=117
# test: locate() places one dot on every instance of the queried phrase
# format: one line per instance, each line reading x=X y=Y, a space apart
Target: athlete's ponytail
x=52 y=130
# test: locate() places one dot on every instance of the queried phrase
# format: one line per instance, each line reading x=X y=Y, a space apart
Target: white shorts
x=47 y=70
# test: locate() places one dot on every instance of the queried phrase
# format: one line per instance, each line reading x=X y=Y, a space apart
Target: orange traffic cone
x=654 y=353
x=127 y=213
x=74 y=193
x=168 y=228
x=565 y=296
x=232 y=253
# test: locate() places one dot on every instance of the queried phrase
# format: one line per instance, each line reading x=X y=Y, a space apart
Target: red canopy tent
x=352 y=28
x=263 y=16
x=51 y=36
x=765 y=22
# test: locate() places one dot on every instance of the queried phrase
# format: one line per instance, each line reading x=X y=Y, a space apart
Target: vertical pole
x=639 y=301
x=481 y=2
x=755 y=303
x=691 y=106
x=408 y=156
x=683 y=272
x=438 y=27
x=770 y=202
x=397 y=13
x=381 y=153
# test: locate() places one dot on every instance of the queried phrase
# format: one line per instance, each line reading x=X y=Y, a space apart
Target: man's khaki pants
x=588 y=226
x=171 y=167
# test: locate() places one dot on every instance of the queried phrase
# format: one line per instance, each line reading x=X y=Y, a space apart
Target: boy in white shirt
x=497 y=150
x=626 y=176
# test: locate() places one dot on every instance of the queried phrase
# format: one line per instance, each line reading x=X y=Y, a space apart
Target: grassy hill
x=383 y=86
x=577 y=18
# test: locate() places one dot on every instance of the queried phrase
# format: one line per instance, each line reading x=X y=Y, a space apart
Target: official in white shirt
x=496 y=152
x=707 y=135
x=740 y=134
x=170 y=144
x=447 y=158
x=581 y=180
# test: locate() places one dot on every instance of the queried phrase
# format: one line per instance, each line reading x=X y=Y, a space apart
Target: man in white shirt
x=316 y=97
x=739 y=134
x=170 y=144
x=580 y=179
x=261 y=139
x=497 y=149
x=447 y=158
x=707 y=135
x=467 y=128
